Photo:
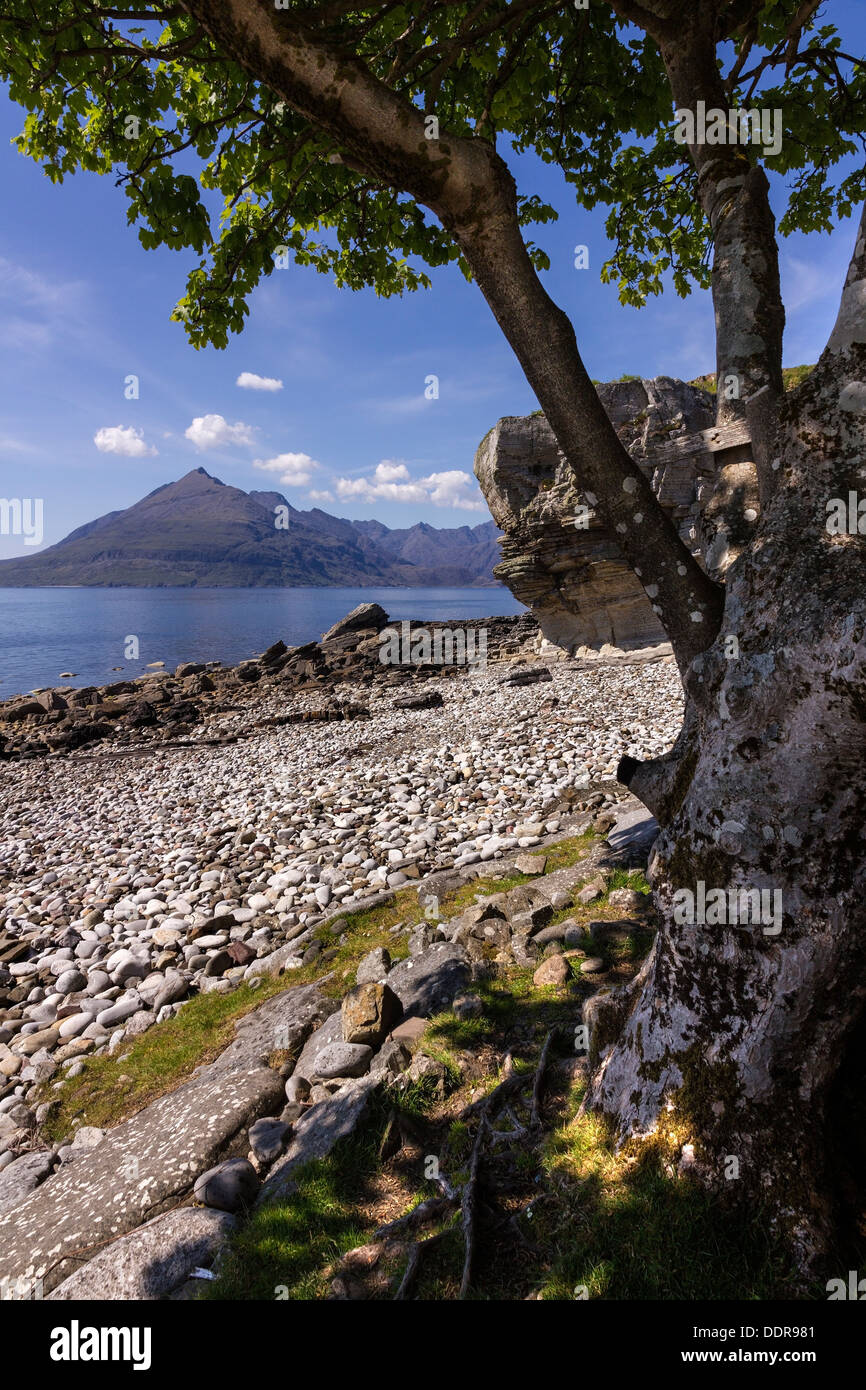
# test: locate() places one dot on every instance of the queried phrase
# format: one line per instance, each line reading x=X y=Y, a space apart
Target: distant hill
x=200 y=531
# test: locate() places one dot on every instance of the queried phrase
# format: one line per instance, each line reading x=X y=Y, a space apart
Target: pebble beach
x=133 y=878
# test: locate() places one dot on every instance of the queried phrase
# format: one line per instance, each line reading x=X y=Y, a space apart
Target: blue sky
x=83 y=305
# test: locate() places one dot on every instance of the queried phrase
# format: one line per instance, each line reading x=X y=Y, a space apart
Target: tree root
x=395 y=1237
x=431 y=1210
x=470 y=1196
x=538 y=1083
x=416 y=1253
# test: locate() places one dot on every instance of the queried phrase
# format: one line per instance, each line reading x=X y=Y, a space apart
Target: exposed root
x=470 y=1195
x=538 y=1083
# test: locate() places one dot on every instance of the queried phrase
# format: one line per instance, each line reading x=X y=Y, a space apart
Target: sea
x=104 y=635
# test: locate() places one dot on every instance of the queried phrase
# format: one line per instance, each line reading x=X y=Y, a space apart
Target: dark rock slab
x=316 y=1133
x=427 y=983
x=153 y=1261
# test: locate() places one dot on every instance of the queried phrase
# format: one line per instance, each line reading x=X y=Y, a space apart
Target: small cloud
x=125 y=440
x=449 y=490
x=214 y=431
x=19 y=283
x=391 y=483
x=388 y=472
x=295 y=470
x=324 y=496
x=251 y=382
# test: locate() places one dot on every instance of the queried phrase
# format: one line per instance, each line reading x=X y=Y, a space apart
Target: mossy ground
x=564 y=1216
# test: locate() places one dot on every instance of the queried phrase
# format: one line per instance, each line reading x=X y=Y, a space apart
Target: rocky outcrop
x=168 y=709
x=557 y=556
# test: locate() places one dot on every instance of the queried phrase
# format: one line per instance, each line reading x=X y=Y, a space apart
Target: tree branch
x=734 y=194
x=469 y=188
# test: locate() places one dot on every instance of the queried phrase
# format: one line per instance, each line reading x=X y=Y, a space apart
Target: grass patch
x=602 y=906
x=621 y=1227
x=566 y=852
x=791 y=377
x=286 y=1248
x=113 y=1088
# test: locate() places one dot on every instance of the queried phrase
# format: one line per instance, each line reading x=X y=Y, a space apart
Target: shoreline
x=58 y=720
x=105 y=635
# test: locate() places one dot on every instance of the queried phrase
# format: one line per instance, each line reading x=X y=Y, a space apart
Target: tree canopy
x=212 y=159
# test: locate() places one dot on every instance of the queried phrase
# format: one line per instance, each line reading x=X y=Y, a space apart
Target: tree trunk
x=729 y=1038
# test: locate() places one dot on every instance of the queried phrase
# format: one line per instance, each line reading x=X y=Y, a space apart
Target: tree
x=362 y=139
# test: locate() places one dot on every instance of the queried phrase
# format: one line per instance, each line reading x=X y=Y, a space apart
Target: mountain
x=200 y=531
x=457 y=552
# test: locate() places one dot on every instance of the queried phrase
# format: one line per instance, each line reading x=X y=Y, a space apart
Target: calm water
x=46 y=631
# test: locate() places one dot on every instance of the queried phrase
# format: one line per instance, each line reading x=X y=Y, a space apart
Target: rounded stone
x=591 y=965
x=70 y=981
x=552 y=971
x=343 y=1059
x=229 y=1186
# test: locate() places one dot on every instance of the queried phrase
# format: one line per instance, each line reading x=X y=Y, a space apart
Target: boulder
x=391 y=1059
x=369 y=1012
x=230 y=1186
x=558 y=558
x=316 y=1132
x=343 y=1059
x=531 y=864
x=267 y=1139
x=552 y=971
x=410 y=1032
x=428 y=983
x=373 y=967
x=21 y=1176
x=365 y=616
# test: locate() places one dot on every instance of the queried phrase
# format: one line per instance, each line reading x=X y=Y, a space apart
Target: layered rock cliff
x=558 y=558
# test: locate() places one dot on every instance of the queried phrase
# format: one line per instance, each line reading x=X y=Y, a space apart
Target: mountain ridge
x=201 y=532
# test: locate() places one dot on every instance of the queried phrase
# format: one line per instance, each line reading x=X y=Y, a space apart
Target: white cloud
x=123 y=439
x=389 y=472
x=8 y=445
x=251 y=382
x=39 y=311
x=449 y=490
x=391 y=483
x=316 y=495
x=214 y=431
x=295 y=470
